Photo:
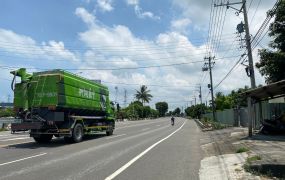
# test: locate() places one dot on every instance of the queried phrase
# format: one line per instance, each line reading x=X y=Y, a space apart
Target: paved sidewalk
x=222 y=162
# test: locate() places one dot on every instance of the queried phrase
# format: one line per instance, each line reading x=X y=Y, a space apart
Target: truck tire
x=111 y=128
x=110 y=131
x=43 y=138
x=77 y=133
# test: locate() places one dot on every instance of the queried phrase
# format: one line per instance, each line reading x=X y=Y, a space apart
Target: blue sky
x=45 y=20
x=104 y=34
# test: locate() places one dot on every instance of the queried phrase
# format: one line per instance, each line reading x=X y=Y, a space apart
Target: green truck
x=61 y=104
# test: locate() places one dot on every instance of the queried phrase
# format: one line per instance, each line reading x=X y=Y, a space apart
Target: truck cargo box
x=61 y=90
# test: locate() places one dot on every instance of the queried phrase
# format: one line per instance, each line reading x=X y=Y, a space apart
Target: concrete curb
x=202 y=126
x=199 y=123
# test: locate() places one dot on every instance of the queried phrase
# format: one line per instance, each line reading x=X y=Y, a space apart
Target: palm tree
x=143 y=94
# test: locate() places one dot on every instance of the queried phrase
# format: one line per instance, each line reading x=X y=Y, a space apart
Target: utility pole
x=249 y=54
x=200 y=94
x=125 y=98
x=116 y=88
x=248 y=46
x=208 y=66
x=9 y=97
x=251 y=68
x=195 y=100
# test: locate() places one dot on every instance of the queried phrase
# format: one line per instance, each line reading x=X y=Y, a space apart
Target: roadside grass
x=242 y=149
x=214 y=125
x=2 y=129
x=247 y=166
x=249 y=160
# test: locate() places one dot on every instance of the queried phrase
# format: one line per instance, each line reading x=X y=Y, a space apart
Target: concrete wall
x=239 y=117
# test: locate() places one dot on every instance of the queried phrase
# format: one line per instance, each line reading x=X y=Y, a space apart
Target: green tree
x=237 y=98
x=154 y=113
x=272 y=61
x=143 y=94
x=136 y=110
x=162 y=108
x=222 y=102
x=7 y=112
x=196 y=111
x=176 y=111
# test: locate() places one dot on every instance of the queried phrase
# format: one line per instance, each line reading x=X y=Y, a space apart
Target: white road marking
x=119 y=135
x=128 y=164
x=5 y=145
x=141 y=124
x=5 y=135
x=22 y=159
x=12 y=135
x=158 y=125
x=13 y=139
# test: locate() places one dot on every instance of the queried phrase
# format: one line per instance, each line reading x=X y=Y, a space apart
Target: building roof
x=269 y=91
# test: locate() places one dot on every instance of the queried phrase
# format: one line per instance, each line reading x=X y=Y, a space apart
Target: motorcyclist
x=172 y=121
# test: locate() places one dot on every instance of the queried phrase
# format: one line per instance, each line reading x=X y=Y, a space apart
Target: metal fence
x=239 y=116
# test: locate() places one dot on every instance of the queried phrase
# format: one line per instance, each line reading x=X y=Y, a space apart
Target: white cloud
x=118 y=47
x=139 y=11
x=144 y=14
x=105 y=5
x=132 y=2
x=180 y=25
x=25 y=46
x=85 y=16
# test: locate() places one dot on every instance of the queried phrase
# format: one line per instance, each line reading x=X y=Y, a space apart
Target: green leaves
x=7 y=112
x=272 y=63
x=196 y=111
x=162 y=108
x=143 y=94
x=136 y=110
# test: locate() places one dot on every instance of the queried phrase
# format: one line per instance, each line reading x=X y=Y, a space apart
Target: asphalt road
x=150 y=149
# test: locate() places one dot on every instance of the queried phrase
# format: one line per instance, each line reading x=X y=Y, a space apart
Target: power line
x=135 y=84
x=143 y=47
x=255 y=12
x=170 y=56
x=230 y=71
x=265 y=23
x=210 y=27
x=220 y=29
x=249 y=5
x=256 y=39
x=216 y=27
x=107 y=69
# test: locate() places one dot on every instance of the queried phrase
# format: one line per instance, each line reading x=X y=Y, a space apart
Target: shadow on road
x=262 y=137
x=55 y=142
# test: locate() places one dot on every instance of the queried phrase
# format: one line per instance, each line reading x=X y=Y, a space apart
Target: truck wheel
x=109 y=132
x=77 y=133
x=43 y=138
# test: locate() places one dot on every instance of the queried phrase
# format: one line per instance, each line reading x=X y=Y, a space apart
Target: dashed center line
x=119 y=135
x=145 y=129
x=13 y=139
x=10 y=162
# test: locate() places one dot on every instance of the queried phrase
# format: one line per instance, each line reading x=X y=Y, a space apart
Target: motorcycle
x=276 y=125
x=172 y=121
